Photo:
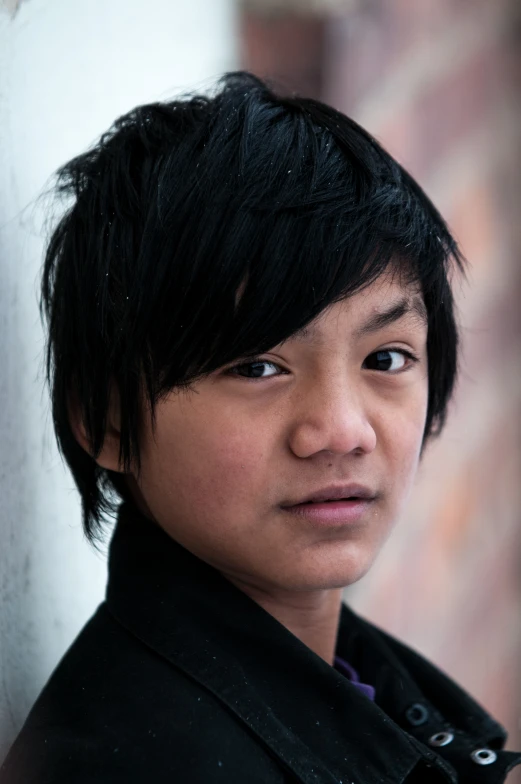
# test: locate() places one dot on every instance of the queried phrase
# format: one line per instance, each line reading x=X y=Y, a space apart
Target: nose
x=332 y=417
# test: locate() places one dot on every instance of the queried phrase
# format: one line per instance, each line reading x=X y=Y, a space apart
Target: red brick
x=284 y=47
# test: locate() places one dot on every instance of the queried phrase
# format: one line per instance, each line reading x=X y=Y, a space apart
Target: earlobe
x=109 y=454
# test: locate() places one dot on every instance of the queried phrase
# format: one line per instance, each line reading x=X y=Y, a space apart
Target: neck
x=312 y=616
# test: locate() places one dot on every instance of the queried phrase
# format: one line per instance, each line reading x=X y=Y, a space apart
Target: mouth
x=330 y=500
x=351 y=492
x=338 y=505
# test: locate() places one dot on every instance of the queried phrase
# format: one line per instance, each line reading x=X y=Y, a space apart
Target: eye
x=255 y=369
x=390 y=360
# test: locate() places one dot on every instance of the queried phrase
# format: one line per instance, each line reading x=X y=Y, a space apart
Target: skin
x=226 y=457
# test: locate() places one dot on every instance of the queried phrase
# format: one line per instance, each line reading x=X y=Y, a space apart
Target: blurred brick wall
x=287 y=48
x=437 y=82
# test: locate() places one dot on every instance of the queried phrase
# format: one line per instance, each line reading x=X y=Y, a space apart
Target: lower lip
x=332 y=512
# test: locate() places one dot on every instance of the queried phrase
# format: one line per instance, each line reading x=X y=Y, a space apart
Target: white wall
x=67 y=69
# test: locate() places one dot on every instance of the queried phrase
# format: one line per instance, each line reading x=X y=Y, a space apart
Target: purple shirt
x=350 y=673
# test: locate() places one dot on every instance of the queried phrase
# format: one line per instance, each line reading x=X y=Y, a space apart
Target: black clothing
x=180 y=678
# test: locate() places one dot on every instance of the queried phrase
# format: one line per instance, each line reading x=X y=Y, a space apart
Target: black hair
x=211 y=228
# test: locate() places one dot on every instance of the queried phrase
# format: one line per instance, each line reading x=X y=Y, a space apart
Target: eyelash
x=258 y=360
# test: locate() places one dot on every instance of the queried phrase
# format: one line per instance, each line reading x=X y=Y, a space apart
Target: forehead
x=377 y=306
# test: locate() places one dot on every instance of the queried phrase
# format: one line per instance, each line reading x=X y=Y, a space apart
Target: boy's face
x=229 y=462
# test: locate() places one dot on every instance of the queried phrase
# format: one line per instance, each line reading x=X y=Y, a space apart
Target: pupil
x=384 y=359
x=256 y=369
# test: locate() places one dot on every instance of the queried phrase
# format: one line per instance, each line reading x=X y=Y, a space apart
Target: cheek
x=403 y=441
x=204 y=461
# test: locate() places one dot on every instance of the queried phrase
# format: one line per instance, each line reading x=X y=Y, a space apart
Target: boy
x=251 y=340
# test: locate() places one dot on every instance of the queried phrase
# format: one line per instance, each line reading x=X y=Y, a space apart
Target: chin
x=327 y=579
x=342 y=581
x=344 y=565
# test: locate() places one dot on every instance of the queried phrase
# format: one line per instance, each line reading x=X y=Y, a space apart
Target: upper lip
x=335 y=493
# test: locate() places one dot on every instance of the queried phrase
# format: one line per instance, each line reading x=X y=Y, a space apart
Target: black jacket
x=179 y=677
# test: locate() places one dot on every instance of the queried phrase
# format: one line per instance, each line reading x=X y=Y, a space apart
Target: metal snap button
x=441 y=739
x=483 y=756
x=417 y=714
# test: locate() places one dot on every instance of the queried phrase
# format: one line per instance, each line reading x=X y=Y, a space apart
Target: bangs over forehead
x=409 y=305
x=207 y=229
x=279 y=209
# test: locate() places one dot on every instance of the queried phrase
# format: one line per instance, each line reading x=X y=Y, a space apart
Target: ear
x=109 y=455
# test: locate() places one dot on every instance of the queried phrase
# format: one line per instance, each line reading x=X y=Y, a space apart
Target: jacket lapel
x=405 y=679
x=318 y=724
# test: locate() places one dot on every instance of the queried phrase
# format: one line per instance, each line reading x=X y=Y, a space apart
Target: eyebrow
x=405 y=307
x=412 y=306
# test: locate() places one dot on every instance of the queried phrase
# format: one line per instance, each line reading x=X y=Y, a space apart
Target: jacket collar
x=312 y=718
x=403 y=677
